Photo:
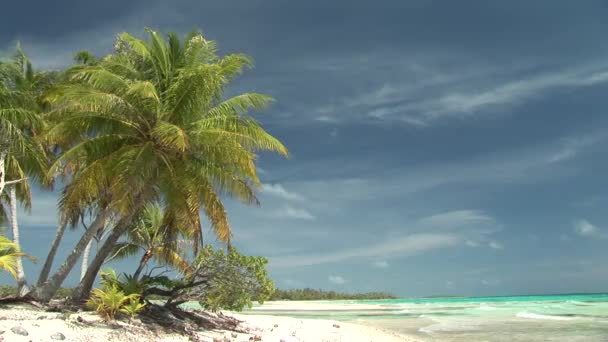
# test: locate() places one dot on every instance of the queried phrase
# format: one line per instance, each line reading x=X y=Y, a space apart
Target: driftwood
x=21 y=300
x=187 y=322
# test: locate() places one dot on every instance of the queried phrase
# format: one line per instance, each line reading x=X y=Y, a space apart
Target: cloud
x=495 y=245
x=457 y=94
x=509 y=93
x=471 y=243
x=335 y=279
x=289 y=212
x=586 y=229
x=456 y=219
x=424 y=237
x=381 y=264
x=278 y=190
x=571 y=147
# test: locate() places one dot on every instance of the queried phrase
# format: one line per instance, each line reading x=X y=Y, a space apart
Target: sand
x=85 y=326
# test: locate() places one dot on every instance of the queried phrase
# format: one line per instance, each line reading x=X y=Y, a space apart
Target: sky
x=437 y=148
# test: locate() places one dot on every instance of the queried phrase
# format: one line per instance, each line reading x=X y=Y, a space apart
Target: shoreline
x=87 y=326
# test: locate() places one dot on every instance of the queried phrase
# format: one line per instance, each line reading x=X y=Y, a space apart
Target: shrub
x=132 y=308
x=219 y=280
x=111 y=298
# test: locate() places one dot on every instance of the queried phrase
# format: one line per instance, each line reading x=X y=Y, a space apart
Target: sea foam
x=530 y=315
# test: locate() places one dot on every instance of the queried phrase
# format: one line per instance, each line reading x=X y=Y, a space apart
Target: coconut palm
x=149 y=123
x=21 y=103
x=85 y=58
x=148 y=234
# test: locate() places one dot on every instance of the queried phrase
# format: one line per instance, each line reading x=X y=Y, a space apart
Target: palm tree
x=23 y=155
x=10 y=254
x=149 y=234
x=85 y=58
x=149 y=123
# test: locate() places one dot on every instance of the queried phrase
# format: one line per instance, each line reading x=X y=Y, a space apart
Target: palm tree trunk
x=142 y=263
x=82 y=291
x=22 y=287
x=48 y=263
x=85 y=259
x=2 y=157
x=45 y=292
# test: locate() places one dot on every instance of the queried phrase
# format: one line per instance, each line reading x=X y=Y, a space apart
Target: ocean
x=578 y=317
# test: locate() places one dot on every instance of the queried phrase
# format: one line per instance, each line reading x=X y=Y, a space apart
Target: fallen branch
x=21 y=300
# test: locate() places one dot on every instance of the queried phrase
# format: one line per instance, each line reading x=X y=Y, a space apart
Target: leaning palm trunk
x=46 y=290
x=82 y=291
x=48 y=263
x=85 y=259
x=22 y=287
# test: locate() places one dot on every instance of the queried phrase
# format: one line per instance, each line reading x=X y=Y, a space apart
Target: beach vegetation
x=318 y=294
x=109 y=300
x=149 y=123
x=146 y=146
x=10 y=254
x=23 y=158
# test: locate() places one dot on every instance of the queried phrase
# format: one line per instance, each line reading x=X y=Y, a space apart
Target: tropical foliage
x=10 y=253
x=150 y=235
x=21 y=153
x=108 y=301
x=144 y=143
x=219 y=280
x=149 y=124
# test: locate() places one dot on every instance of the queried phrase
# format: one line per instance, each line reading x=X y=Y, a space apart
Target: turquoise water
x=581 y=317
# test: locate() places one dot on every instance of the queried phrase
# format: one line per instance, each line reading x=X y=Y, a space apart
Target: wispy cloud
x=336 y=279
x=381 y=264
x=572 y=146
x=278 y=190
x=495 y=245
x=289 y=212
x=458 y=95
x=530 y=164
x=425 y=236
x=586 y=229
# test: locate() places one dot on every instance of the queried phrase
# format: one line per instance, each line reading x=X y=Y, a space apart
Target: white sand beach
x=85 y=326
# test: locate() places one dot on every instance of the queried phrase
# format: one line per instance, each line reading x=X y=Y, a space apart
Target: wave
x=530 y=315
x=486 y=307
x=449 y=326
x=576 y=302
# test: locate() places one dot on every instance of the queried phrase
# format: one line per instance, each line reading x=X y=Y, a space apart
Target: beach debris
x=217 y=339
x=40 y=318
x=19 y=331
x=255 y=338
x=336 y=325
x=276 y=325
x=80 y=319
x=234 y=335
x=58 y=336
x=226 y=339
